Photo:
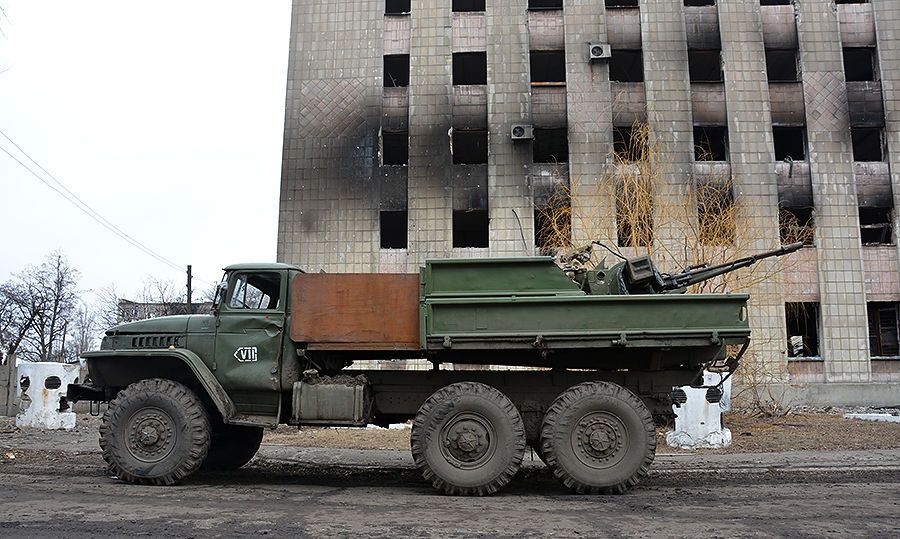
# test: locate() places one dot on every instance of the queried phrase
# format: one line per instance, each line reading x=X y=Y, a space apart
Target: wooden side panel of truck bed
x=355 y=311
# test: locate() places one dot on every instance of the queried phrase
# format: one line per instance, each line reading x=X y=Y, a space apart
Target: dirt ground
x=55 y=484
x=820 y=431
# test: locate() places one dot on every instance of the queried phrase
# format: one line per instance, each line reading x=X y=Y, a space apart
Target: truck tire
x=468 y=439
x=598 y=437
x=155 y=432
x=231 y=446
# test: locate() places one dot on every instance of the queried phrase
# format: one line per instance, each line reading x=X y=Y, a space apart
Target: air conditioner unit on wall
x=521 y=132
x=599 y=51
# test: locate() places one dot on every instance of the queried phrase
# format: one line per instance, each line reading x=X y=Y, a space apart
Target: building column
x=753 y=174
x=668 y=88
x=844 y=336
x=590 y=127
x=429 y=193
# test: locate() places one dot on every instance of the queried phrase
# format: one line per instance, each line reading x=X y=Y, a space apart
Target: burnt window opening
x=552 y=226
x=782 y=66
x=396 y=7
x=621 y=3
x=470 y=228
x=396 y=70
x=394 y=229
x=884 y=340
x=626 y=66
x=694 y=3
x=875 y=225
x=470 y=147
x=868 y=143
x=715 y=214
x=630 y=144
x=705 y=65
x=775 y=2
x=548 y=66
x=796 y=225
x=790 y=143
x=859 y=64
x=468 y=5
x=550 y=146
x=851 y=1
x=469 y=68
x=711 y=143
x=395 y=148
x=545 y=4
x=802 y=328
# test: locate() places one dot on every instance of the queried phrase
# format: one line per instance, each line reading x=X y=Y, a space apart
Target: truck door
x=248 y=340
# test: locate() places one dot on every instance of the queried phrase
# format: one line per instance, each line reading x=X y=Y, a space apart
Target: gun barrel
x=687 y=278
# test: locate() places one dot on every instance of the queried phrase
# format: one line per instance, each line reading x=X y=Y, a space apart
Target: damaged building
x=440 y=128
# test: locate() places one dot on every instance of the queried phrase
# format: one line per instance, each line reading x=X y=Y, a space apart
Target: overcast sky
x=165 y=116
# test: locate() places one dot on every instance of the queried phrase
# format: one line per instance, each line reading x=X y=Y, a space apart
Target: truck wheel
x=231 y=447
x=468 y=439
x=598 y=437
x=154 y=432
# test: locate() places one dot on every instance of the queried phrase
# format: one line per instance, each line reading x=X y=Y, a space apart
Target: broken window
x=875 y=225
x=851 y=1
x=469 y=68
x=545 y=4
x=775 y=2
x=705 y=65
x=634 y=212
x=394 y=227
x=551 y=146
x=859 y=63
x=790 y=143
x=710 y=143
x=868 y=143
x=630 y=144
x=715 y=213
x=470 y=228
x=797 y=225
x=691 y=3
x=626 y=66
x=468 y=5
x=883 y=336
x=396 y=7
x=395 y=148
x=470 y=147
x=621 y=3
x=802 y=328
x=553 y=224
x=782 y=66
x=396 y=70
x=548 y=66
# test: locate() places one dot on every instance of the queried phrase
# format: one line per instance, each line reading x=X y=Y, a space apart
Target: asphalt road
x=61 y=489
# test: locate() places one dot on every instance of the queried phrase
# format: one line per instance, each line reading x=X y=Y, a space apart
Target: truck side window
x=256 y=291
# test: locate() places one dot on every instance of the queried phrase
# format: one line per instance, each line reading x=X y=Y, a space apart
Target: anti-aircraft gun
x=639 y=275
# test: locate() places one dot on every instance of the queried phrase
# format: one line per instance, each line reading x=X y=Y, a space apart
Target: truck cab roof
x=261 y=266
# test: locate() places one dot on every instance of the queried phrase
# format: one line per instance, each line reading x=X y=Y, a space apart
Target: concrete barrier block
x=41 y=392
x=698 y=422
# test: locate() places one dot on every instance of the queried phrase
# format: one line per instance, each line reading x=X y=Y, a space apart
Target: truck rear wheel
x=231 y=446
x=598 y=437
x=468 y=439
x=154 y=432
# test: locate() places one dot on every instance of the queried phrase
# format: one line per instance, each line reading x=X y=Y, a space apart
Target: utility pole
x=189 y=291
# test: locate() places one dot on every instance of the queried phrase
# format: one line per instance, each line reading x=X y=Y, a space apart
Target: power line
x=85 y=208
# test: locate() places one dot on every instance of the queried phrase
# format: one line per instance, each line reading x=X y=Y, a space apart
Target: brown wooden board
x=355 y=311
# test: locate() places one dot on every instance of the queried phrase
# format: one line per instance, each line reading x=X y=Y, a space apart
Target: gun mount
x=639 y=275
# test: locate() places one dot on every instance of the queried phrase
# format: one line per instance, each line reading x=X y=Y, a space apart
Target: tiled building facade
x=398 y=142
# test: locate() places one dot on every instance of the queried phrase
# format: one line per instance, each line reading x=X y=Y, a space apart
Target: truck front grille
x=154 y=341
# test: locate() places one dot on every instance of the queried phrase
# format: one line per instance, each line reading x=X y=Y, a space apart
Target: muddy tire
x=155 y=432
x=598 y=438
x=468 y=439
x=232 y=446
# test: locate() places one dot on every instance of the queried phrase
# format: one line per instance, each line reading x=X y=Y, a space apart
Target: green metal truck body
x=243 y=368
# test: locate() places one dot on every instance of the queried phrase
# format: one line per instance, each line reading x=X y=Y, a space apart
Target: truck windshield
x=256 y=291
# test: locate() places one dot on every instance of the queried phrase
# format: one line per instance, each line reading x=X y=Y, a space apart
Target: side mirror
x=221 y=288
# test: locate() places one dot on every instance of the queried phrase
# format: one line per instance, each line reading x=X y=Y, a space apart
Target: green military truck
x=603 y=348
